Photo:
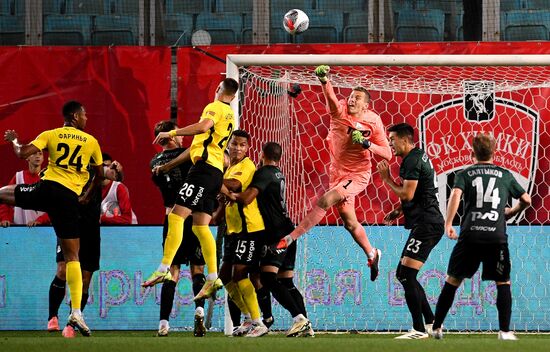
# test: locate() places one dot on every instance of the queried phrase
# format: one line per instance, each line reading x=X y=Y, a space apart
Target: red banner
x=125 y=90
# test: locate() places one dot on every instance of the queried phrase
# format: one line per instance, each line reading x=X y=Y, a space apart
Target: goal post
x=447 y=99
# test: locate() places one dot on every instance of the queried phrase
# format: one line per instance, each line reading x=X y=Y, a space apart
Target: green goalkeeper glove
x=357 y=138
x=321 y=73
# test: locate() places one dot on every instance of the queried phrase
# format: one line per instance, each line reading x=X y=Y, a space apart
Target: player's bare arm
x=180 y=159
x=406 y=191
x=392 y=215
x=23 y=151
x=524 y=202
x=452 y=208
x=99 y=175
x=191 y=130
x=232 y=184
x=247 y=196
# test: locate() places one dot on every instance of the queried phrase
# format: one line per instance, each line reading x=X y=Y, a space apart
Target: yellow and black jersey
x=243 y=218
x=70 y=152
x=209 y=146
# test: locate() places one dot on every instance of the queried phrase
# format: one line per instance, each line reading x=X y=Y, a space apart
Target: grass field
x=144 y=341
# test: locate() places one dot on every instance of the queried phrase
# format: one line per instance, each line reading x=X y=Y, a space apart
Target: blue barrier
x=333 y=279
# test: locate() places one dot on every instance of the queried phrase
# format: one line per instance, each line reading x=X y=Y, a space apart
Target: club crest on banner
x=447 y=130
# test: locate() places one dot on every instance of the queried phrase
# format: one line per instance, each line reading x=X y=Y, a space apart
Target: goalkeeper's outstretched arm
x=322 y=74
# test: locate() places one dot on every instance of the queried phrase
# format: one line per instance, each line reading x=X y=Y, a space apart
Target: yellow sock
x=250 y=298
x=208 y=246
x=74 y=281
x=173 y=238
x=236 y=296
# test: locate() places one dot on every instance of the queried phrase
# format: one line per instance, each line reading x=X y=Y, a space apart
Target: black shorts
x=248 y=248
x=466 y=257
x=201 y=187
x=229 y=246
x=189 y=252
x=58 y=201
x=90 y=239
x=422 y=239
x=284 y=261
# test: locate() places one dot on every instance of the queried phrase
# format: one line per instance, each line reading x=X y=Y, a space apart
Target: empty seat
x=18 y=7
x=247 y=32
x=224 y=28
x=537 y=4
x=187 y=6
x=525 y=25
x=97 y=7
x=241 y=6
x=283 y=6
x=115 y=30
x=324 y=27
x=124 y=7
x=507 y=5
x=178 y=29
x=62 y=38
x=356 y=30
x=447 y=6
x=53 y=7
x=12 y=30
x=345 y=6
x=420 y=26
x=5 y=9
x=76 y=27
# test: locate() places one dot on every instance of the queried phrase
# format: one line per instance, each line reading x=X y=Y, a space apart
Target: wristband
x=173 y=133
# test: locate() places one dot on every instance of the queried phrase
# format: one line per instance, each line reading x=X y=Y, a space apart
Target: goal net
x=447 y=99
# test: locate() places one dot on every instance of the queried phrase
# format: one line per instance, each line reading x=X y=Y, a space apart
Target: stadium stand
x=324 y=27
x=67 y=30
x=356 y=29
x=188 y=6
x=178 y=29
x=115 y=30
x=12 y=30
x=525 y=25
x=349 y=6
x=420 y=25
x=224 y=28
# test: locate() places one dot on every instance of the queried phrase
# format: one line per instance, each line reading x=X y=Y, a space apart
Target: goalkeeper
x=356 y=133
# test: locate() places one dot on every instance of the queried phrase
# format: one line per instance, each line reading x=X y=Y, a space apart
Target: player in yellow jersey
x=70 y=151
x=245 y=229
x=197 y=195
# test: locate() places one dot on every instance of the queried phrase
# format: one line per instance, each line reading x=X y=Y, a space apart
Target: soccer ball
x=295 y=21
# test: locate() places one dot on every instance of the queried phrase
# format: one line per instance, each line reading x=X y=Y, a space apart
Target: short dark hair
x=364 y=90
x=106 y=156
x=230 y=86
x=272 y=151
x=241 y=133
x=403 y=130
x=484 y=146
x=70 y=108
x=164 y=126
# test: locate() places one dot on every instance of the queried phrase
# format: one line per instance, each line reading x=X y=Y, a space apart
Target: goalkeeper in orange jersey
x=356 y=133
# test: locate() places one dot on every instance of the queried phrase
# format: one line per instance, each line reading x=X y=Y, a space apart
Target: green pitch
x=144 y=341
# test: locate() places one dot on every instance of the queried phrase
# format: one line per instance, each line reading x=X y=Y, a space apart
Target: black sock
x=295 y=293
x=264 y=301
x=167 y=299
x=407 y=278
x=234 y=312
x=504 y=307
x=280 y=292
x=84 y=301
x=444 y=303
x=198 y=281
x=56 y=296
x=426 y=309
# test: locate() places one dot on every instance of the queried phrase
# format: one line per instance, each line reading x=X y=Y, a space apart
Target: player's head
x=271 y=151
x=107 y=159
x=238 y=145
x=227 y=89
x=401 y=138
x=36 y=159
x=484 y=146
x=167 y=126
x=358 y=100
x=74 y=114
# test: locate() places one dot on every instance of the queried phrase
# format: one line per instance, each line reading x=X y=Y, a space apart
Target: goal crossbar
x=387 y=60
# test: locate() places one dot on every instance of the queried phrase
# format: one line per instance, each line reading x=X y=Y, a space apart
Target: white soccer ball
x=295 y=21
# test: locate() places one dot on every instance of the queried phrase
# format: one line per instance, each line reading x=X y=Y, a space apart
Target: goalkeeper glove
x=321 y=73
x=357 y=138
